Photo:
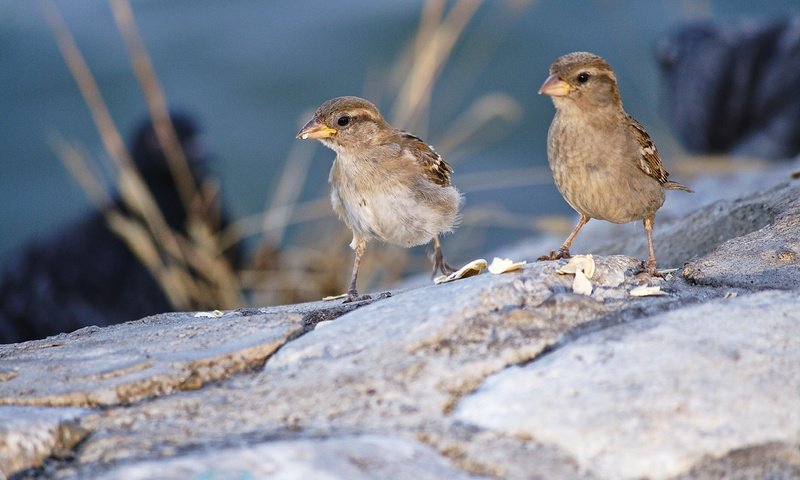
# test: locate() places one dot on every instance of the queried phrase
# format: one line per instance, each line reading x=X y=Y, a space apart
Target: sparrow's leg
x=437 y=257
x=563 y=252
x=359 y=245
x=650 y=266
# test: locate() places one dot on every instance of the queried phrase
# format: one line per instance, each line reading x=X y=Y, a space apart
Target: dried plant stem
x=434 y=44
x=277 y=217
x=79 y=168
x=220 y=286
x=156 y=102
x=131 y=184
x=482 y=111
x=110 y=136
x=190 y=272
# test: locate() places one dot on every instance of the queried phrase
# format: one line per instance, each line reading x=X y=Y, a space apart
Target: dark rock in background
x=732 y=87
x=84 y=274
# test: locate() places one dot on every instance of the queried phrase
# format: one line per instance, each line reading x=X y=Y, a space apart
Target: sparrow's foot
x=650 y=269
x=353 y=296
x=555 y=255
x=440 y=265
x=438 y=261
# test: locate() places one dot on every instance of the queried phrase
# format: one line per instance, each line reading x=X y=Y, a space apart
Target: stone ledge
x=468 y=368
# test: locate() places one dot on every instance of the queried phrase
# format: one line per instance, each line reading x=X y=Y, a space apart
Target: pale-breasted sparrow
x=386 y=184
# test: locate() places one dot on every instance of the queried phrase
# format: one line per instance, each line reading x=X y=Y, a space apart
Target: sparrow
x=603 y=161
x=386 y=184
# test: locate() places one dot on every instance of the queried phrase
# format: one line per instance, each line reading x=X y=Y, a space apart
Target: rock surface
x=29 y=435
x=622 y=417
x=358 y=457
x=494 y=376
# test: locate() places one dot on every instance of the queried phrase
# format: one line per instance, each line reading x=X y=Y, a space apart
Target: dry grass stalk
x=74 y=159
x=486 y=109
x=156 y=102
x=191 y=271
x=132 y=187
x=203 y=250
x=278 y=216
x=437 y=35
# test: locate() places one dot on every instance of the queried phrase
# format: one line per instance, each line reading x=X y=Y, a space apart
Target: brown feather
x=436 y=168
x=650 y=160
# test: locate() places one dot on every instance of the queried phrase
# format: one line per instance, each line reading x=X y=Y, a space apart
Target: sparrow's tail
x=677 y=186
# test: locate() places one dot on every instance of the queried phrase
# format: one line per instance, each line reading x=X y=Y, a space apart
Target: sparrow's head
x=582 y=79
x=344 y=123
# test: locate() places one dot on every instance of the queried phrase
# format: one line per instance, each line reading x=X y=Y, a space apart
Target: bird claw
x=555 y=255
x=439 y=263
x=355 y=297
x=650 y=269
x=442 y=266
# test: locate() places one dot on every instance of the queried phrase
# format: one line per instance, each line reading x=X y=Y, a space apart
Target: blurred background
x=252 y=72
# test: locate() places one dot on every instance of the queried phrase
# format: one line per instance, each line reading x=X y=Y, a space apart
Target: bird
x=386 y=184
x=83 y=274
x=603 y=161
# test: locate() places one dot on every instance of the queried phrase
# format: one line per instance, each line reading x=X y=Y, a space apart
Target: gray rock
x=653 y=398
x=338 y=458
x=774 y=461
x=511 y=376
x=397 y=365
x=29 y=435
x=129 y=362
x=154 y=356
x=766 y=258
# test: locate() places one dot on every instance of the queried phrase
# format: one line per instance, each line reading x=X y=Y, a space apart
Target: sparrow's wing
x=436 y=168
x=649 y=160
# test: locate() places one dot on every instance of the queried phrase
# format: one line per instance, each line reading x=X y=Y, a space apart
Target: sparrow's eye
x=583 y=77
x=343 y=120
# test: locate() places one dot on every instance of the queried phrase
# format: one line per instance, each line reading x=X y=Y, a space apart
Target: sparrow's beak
x=312 y=129
x=555 y=87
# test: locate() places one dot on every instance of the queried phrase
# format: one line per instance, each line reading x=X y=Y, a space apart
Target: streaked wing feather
x=649 y=160
x=436 y=168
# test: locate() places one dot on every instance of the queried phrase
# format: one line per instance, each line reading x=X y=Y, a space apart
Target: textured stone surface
x=344 y=458
x=29 y=435
x=766 y=258
x=649 y=400
x=511 y=376
x=402 y=362
x=136 y=360
x=157 y=355
x=773 y=461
